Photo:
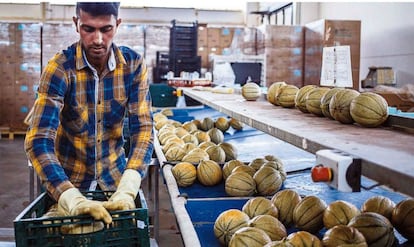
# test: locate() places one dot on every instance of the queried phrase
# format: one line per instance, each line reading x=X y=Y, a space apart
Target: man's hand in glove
x=72 y=202
x=124 y=196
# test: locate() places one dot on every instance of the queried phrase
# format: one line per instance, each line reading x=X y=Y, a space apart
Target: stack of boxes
x=214 y=40
x=284 y=54
x=20 y=72
x=327 y=33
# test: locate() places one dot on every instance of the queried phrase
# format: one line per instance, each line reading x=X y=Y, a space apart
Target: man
x=75 y=137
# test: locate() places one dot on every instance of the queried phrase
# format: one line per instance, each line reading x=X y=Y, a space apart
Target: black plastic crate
x=129 y=228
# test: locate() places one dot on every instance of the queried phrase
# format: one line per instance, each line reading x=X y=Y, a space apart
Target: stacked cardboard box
x=20 y=72
x=284 y=54
x=328 y=33
x=213 y=40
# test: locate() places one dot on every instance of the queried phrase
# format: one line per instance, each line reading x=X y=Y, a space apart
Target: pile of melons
x=264 y=222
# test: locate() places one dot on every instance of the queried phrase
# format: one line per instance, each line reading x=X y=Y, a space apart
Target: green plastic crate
x=129 y=228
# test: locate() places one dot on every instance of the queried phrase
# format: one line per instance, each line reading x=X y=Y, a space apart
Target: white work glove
x=125 y=194
x=72 y=203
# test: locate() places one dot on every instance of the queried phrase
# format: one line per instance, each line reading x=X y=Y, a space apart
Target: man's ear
x=75 y=20
x=118 y=22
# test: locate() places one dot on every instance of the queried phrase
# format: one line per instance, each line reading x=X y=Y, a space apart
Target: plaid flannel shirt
x=76 y=131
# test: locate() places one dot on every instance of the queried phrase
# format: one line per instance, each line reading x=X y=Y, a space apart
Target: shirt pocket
x=75 y=119
x=114 y=117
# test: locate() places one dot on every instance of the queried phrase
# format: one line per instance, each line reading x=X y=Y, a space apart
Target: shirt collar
x=115 y=57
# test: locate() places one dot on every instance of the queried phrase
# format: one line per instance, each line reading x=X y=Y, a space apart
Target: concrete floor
x=14 y=195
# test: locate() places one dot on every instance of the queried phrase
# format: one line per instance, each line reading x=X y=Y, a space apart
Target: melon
x=304 y=239
x=229 y=149
x=251 y=91
x=377 y=229
x=159 y=117
x=403 y=218
x=279 y=243
x=209 y=173
x=273 y=91
x=206 y=144
x=269 y=224
x=343 y=236
x=379 y=204
x=227 y=223
x=369 y=109
x=240 y=184
x=175 y=154
x=339 y=213
x=235 y=124
x=195 y=156
x=313 y=100
x=259 y=206
x=340 y=104
x=216 y=153
x=245 y=168
x=286 y=201
x=184 y=173
x=206 y=124
x=326 y=99
x=190 y=138
x=222 y=124
x=216 y=135
x=202 y=136
x=249 y=237
x=268 y=181
x=189 y=126
x=300 y=99
x=287 y=95
x=229 y=166
x=180 y=132
x=257 y=163
x=188 y=147
x=308 y=214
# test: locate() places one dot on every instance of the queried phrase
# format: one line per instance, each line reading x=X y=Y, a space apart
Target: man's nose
x=98 y=37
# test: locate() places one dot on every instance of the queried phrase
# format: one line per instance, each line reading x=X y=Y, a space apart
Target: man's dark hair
x=98 y=8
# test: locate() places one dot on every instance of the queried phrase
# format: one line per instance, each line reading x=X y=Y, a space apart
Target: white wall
x=387 y=33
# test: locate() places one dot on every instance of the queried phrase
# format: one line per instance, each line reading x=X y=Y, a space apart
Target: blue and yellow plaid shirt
x=76 y=131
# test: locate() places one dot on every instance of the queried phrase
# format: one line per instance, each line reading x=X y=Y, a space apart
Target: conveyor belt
x=196 y=207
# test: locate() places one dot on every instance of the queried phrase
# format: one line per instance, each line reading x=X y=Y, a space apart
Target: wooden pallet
x=10 y=134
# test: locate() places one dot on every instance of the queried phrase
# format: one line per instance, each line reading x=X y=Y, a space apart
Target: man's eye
x=106 y=29
x=88 y=29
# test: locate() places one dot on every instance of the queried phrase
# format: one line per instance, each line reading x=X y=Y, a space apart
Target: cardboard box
x=213 y=37
x=202 y=37
x=328 y=33
x=284 y=36
x=226 y=37
x=401 y=101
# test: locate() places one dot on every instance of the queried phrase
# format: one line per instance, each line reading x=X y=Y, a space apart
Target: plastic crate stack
x=183 y=49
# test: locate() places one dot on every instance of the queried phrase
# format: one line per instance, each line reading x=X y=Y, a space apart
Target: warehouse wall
x=387 y=32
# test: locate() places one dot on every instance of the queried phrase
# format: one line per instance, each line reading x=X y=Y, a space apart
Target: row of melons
x=347 y=106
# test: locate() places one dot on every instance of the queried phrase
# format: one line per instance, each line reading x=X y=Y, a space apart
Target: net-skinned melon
x=340 y=104
x=313 y=100
x=251 y=91
x=227 y=223
x=287 y=95
x=369 y=109
x=300 y=99
x=326 y=99
x=273 y=91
